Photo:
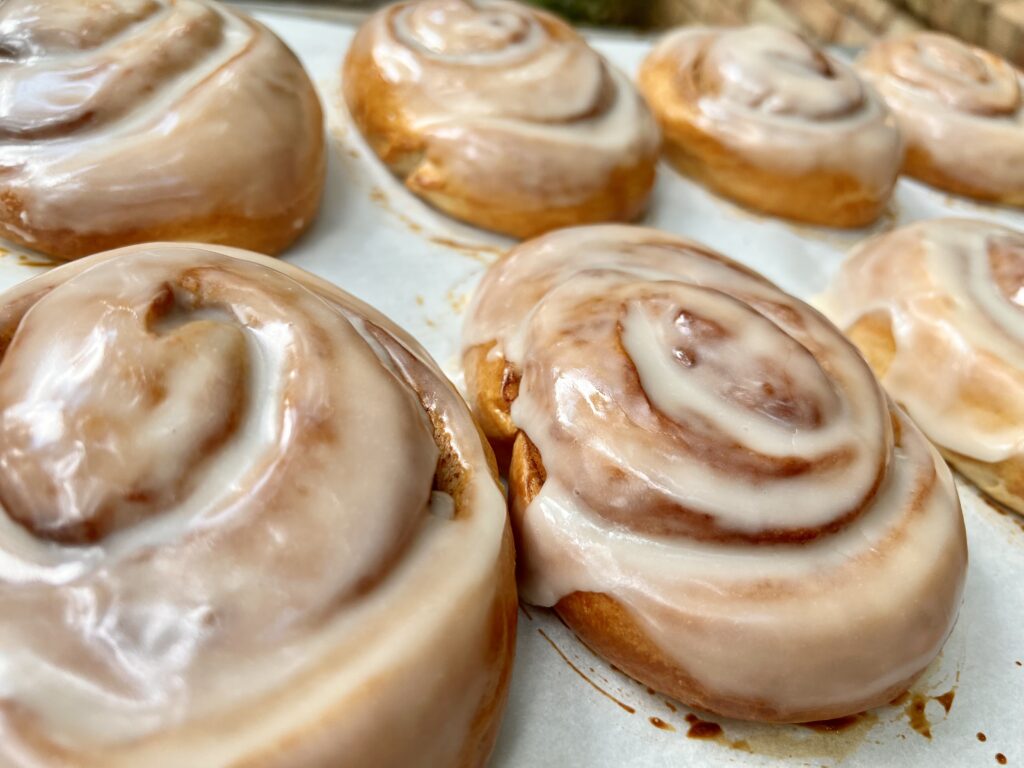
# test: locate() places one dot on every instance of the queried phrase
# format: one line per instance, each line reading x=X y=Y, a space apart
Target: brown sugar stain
x=378 y=196
x=917 y=716
x=485 y=254
x=706 y=730
x=37 y=261
x=982 y=736
x=834 y=725
x=579 y=672
x=1000 y=758
x=946 y=699
x=671 y=706
x=660 y=724
x=457 y=301
x=829 y=739
x=916 y=709
x=702 y=729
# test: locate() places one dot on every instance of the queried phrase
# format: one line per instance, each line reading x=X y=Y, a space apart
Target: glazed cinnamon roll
x=707 y=482
x=123 y=121
x=937 y=308
x=762 y=116
x=500 y=115
x=960 y=110
x=244 y=520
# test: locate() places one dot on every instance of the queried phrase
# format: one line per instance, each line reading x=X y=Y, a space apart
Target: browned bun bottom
x=266 y=234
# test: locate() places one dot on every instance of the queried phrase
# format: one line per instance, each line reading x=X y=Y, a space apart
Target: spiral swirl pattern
x=951 y=292
x=491 y=99
x=775 y=98
x=720 y=460
x=126 y=118
x=960 y=108
x=224 y=491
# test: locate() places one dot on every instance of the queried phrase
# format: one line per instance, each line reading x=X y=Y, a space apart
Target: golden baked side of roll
x=126 y=121
x=244 y=520
x=500 y=115
x=764 y=117
x=707 y=481
x=960 y=109
x=937 y=308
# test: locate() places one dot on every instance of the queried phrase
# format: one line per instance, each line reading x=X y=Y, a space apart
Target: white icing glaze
x=960 y=105
x=505 y=92
x=218 y=532
x=132 y=113
x=721 y=461
x=952 y=291
x=779 y=101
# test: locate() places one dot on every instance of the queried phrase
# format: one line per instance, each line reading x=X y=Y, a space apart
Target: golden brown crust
x=268 y=234
x=492 y=386
x=378 y=110
x=1002 y=480
x=816 y=197
x=607 y=628
x=623 y=198
x=920 y=164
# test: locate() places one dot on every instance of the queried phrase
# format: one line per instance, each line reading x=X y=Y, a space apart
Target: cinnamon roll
x=937 y=308
x=244 y=520
x=762 y=116
x=707 y=482
x=123 y=121
x=500 y=115
x=960 y=110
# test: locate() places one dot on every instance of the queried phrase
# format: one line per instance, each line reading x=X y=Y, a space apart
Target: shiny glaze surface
x=220 y=525
x=960 y=105
x=952 y=291
x=121 y=114
x=508 y=95
x=779 y=101
x=721 y=461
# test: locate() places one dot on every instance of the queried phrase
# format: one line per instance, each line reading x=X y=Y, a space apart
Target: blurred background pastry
x=763 y=116
x=132 y=120
x=937 y=308
x=997 y=25
x=961 y=112
x=500 y=115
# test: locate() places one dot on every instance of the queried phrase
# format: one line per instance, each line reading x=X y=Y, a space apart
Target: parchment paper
x=567 y=707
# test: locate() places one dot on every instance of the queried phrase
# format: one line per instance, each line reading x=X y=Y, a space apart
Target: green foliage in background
x=600 y=12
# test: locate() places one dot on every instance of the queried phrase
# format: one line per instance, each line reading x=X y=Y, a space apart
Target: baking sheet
x=567 y=707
